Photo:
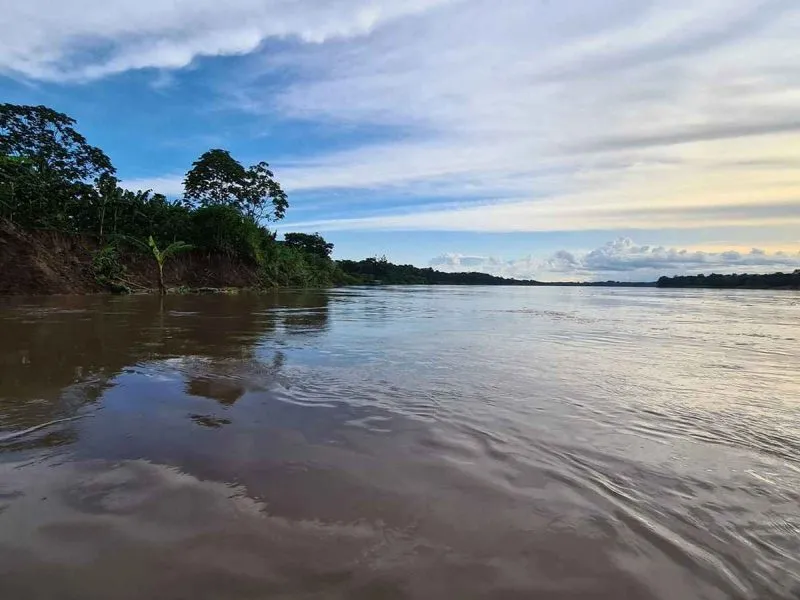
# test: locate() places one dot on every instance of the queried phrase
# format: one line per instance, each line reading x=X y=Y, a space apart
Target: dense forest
x=790 y=281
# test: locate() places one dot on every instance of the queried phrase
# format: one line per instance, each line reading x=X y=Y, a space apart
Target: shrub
x=107 y=269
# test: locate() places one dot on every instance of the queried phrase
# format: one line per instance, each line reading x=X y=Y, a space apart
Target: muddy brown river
x=401 y=443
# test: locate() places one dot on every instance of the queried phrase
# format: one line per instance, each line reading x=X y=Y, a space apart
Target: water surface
x=397 y=443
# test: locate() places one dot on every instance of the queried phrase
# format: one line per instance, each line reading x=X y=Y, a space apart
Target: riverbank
x=47 y=262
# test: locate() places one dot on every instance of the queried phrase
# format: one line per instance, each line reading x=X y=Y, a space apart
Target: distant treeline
x=789 y=281
x=379 y=271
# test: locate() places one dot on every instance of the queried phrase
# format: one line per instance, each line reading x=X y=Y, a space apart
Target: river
x=409 y=442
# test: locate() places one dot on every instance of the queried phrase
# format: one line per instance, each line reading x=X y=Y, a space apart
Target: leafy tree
x=216 y=178
x=313 y=244
x=49 y=139
x=108 y=195
x=57 y=169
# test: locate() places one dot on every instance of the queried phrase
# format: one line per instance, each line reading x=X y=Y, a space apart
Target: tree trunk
x=102 y=220
x=162 y=290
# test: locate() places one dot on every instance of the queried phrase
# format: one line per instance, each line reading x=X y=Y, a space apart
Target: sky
x=554 y=139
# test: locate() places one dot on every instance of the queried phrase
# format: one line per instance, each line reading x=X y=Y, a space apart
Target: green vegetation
x=108 y=269
x=52 y=179
x=373 y=271
x=762 y=282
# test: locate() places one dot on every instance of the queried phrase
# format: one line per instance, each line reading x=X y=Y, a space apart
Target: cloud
x=497 y=115
x=563 y=116
x=170 y=185
x=89 y=39
x=624 y=260
x=580 y=212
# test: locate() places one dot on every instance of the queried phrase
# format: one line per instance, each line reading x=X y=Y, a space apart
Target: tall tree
x=216 y=178
x=49 y=140
x=48 y=167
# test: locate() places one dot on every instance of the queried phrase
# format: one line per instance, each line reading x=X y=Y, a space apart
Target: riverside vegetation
x=64 y=215
x=769 y=281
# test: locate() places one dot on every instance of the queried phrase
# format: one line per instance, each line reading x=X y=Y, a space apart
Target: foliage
x=735 y=280
x=48 y=139
x=107 y=268
x=47 y=169
x=291 y=267
x=220 y=229
x=21 y=189
x=313 y=244
x=217 y=179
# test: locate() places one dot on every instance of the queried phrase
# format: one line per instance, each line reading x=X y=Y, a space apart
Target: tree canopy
x=49 y=141
x=48 y=171
x=218 y=179
x=313 y=244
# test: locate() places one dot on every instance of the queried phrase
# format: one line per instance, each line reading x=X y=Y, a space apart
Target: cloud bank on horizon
x=477 y=115
x=622 y=260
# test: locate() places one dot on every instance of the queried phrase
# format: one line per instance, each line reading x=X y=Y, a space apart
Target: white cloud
x=622 y=260
x=170 y=185
x=89 y=39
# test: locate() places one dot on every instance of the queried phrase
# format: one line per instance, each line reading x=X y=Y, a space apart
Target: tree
x=109 y=194
x=48 y=167
x=309 y=243
x=18 y=188
x=216 y=178
x=161 y=257
x=49 y=140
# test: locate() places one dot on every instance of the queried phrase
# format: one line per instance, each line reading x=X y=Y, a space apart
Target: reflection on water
x=401 y=443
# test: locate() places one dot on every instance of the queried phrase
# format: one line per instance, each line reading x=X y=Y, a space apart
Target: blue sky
x=569 y=139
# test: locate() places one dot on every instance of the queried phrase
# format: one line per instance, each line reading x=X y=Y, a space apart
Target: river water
x=394 y=443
